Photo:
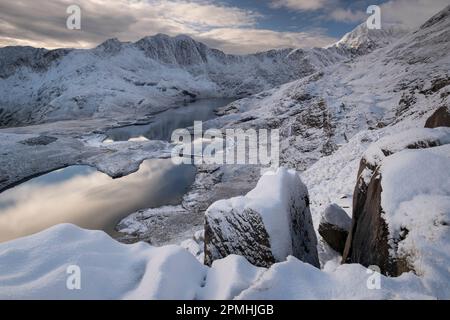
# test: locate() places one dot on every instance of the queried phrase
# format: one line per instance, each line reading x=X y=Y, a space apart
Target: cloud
x=301 y=5
x=226 y=27
x=410 y=13
x=255 y=40
x=347 y=15
x=43 y=24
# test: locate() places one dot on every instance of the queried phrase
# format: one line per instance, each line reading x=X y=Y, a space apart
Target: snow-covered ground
x=36 y=267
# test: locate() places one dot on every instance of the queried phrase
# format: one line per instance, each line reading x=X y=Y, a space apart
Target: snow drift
x=35 y=267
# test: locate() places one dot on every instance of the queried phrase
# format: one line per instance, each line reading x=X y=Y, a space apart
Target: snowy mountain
x=363 y=40
x=39 y=85
x=394 y=86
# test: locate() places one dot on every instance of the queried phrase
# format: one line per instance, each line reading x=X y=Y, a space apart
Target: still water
x=90 y=199
x=168 y=121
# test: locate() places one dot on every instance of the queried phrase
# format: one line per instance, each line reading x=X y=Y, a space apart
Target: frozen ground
x=110 y=270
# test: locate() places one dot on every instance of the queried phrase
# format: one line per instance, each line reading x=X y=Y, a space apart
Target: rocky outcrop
x=334 y=227
x=440 y=118
x=371 y=241
x=267 y=225
x=367 y=243
x=39 y=141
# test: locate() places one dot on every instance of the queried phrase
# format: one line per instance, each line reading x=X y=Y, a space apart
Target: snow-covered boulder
x=334 y=227
x=440 y=118
x=267 y=225
x=400 y=203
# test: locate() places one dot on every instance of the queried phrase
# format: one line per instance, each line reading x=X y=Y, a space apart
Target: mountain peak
x=363 y=40
x=165 y=37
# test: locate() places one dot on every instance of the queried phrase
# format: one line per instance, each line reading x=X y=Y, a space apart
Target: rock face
x=441 y=118
x=334 y=227
x=267 y=225
x=371 y=240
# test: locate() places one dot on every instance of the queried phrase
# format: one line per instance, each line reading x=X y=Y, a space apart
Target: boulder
x=334 y=227
x=373 y=238
x=270 y=223
x=440 y=118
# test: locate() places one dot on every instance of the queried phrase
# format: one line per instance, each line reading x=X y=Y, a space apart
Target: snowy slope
x=327 y=120
x=394 y=87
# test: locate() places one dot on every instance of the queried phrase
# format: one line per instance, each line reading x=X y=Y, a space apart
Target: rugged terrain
x=329 y=104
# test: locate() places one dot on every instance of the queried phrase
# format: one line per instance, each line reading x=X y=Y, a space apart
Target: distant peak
x=368 y=39
x=162 y=36
x=112 y=45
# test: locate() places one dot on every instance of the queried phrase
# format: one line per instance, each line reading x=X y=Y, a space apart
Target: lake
x=90 y=199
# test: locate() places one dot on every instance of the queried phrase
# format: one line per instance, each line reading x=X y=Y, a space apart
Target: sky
x=234 y=26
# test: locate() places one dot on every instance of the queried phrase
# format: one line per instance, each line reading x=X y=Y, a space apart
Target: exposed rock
x=267 y=225
x=367 y=243
x=39 y=141
x=334 y=227
x=246 y=236
x=440 y=118
x=371 y=241
x=159 y=226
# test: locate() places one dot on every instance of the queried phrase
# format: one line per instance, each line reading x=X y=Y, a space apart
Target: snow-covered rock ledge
x=35 y=267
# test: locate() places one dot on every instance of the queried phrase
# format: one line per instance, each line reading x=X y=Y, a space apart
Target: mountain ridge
x=143 y=76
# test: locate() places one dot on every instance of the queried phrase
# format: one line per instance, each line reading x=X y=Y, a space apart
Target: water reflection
x=166 y=122
x=88 y=198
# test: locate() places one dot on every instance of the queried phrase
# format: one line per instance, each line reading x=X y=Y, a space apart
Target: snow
x=332 y=179
x=416 y=197
x=296 y=280
x=336 y=216
x=417 y=137
x=35 y=267
x=228 y=277
x=171 y=273
x=110 y=270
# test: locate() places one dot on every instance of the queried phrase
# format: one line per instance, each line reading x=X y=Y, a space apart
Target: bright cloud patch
x=300 y=4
